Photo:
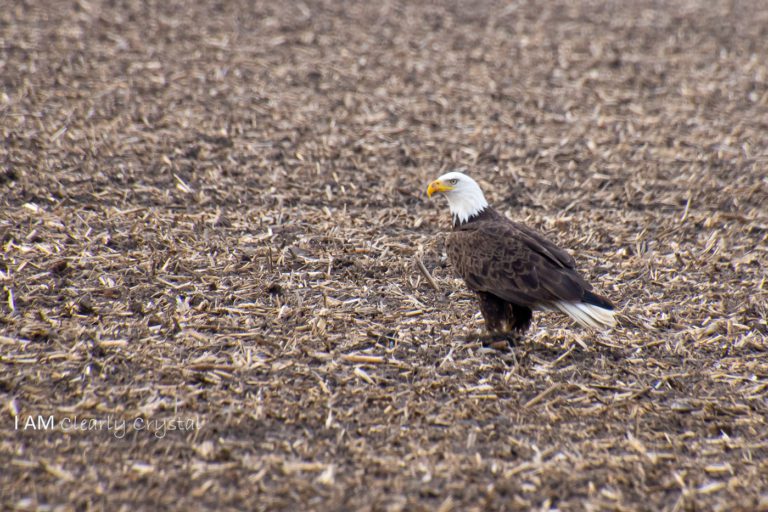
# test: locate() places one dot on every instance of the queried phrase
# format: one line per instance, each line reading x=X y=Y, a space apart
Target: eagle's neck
x=485 y=213
x=467 y=205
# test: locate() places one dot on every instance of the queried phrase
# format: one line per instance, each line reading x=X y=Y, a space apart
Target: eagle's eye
x=453 y=181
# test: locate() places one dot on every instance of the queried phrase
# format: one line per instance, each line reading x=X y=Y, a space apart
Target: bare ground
x=214 y=212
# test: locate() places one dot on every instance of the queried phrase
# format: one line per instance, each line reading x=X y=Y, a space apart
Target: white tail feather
x=587 y=315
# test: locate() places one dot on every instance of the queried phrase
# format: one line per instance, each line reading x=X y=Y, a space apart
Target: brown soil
x=215 y=211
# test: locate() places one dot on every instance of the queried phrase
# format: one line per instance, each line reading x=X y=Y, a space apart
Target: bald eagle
x=512 y=268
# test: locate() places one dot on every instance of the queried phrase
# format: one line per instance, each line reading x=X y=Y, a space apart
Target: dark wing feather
x=513 y=262
x=538 y=243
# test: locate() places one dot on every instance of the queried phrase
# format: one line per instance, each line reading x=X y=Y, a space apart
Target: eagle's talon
x=500 y=341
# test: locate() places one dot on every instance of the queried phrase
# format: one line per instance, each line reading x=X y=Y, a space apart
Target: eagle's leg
x=504 y=321
x=494 y=311
x=519 y=317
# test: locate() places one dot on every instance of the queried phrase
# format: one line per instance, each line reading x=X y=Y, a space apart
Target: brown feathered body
x=514 y=270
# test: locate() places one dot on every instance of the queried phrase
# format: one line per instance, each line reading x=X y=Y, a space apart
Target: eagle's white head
x=465 y=199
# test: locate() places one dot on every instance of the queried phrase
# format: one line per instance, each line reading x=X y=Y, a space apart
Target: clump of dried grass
x=218 y=213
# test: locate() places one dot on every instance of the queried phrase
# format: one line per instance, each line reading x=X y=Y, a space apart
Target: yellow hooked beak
x=437 y=186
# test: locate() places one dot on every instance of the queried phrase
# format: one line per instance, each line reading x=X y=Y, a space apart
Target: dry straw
x=217 y=212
